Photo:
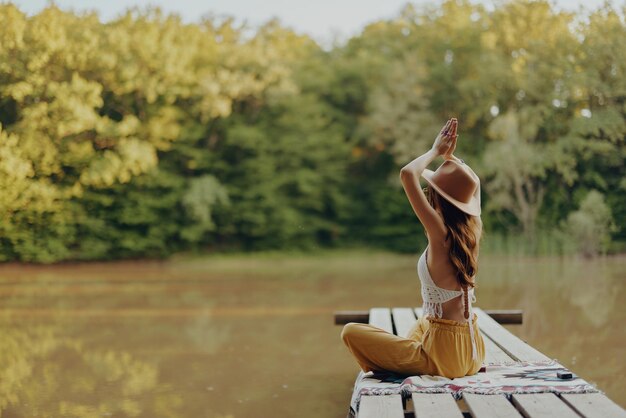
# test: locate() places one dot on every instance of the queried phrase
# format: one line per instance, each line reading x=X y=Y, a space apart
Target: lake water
x=243 y=336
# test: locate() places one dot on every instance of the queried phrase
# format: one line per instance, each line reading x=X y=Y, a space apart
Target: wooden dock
x=501 y=345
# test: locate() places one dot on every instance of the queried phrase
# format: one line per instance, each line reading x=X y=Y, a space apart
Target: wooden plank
x=381 y=406
x=511 y=344
x=501 y=316
x=381 y=318
x=384 y=406
x=403 y=319
x=593 y=405
x=505 y=316
x=539 y=405
x=493 y=353
x=343 y=317
x=435 y=405
x=493 y=406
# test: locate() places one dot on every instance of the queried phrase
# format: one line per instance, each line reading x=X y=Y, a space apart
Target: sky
x=321 y=19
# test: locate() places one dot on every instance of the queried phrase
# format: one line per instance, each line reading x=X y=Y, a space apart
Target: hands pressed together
x=445 y=143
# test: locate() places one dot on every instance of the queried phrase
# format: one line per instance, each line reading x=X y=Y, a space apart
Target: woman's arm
x=452 y=157
x=410 y=174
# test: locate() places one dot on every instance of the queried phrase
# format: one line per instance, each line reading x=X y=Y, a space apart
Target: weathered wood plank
x=539 y=405
x=343 y=317
x=493 y=353
x=381 y=318
x=388 y=406
x=492 y=406
x=510 y=316
x=593 y=405
x=381 y=406
x=403 y=319
x=511 y=344
x=505 y=316
x=435 y=405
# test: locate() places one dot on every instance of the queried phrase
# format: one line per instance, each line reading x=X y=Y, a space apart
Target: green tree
x=590 y=227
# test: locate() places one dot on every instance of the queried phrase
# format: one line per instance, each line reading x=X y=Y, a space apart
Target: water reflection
x=206 y=334
x=48 y=373
x=238 y=337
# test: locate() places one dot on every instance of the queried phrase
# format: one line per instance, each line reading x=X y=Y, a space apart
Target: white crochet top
x=433 y=296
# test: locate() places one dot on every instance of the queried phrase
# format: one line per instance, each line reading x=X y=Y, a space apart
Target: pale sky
x=320 y=19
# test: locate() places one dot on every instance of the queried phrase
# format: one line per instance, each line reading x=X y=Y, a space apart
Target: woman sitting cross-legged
x=446 y=340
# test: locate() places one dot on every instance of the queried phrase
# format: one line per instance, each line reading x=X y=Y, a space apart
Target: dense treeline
x=145 y=136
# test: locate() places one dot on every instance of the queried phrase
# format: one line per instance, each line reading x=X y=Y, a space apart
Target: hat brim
x=472 y=207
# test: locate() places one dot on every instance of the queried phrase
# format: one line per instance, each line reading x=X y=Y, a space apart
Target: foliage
x=145 y=136
x=590 y=227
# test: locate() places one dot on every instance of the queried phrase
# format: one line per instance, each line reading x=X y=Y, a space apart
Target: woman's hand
x=448 y=155
x=445 y=143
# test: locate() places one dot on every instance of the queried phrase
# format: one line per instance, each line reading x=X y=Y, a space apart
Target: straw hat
x=456 y=183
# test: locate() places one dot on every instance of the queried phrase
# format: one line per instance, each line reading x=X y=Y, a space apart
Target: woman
x=446 y=340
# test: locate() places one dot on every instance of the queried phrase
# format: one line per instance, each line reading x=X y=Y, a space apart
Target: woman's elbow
x=406 y=174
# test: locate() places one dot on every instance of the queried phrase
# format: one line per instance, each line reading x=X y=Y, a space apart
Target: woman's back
x=444 y=275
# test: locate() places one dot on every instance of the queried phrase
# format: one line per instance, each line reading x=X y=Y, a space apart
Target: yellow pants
x=433 y=346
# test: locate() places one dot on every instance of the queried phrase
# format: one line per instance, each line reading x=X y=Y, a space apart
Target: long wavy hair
x=464 y=232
